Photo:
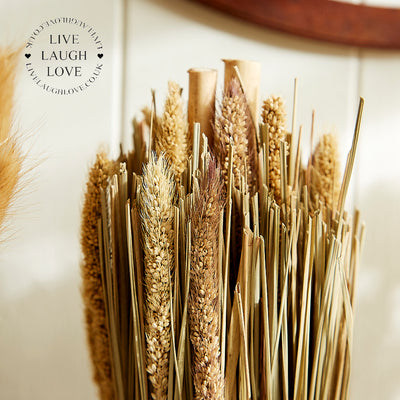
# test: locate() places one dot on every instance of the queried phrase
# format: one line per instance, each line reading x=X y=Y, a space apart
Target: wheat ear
x=204 y=307
x=156 y=211
x=92 y=288
x=274 y=117
x=233 y=125
x=171 y=137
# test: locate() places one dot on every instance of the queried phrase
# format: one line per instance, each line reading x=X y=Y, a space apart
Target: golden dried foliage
x=92 y=288
x=204 y=307
x=274 y=116
x=156 y=211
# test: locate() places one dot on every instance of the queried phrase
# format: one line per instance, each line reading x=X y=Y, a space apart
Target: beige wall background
x=42 y=340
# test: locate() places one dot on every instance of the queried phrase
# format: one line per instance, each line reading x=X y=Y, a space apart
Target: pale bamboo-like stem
x=309 y=164
x=201 y=103
x=292 y=153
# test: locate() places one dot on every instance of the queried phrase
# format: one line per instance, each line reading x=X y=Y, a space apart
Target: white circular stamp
x=64 y=56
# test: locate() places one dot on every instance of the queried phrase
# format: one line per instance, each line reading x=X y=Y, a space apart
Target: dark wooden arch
x=333 y=21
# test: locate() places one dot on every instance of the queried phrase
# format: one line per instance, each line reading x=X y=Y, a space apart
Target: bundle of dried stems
x=177 y=328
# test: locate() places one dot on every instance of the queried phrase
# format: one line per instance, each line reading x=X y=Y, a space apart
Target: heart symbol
x=27 y=55
x=100 y=55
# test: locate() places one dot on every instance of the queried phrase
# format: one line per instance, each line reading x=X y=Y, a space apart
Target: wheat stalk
x=233 y=125
x=204 y=307
x=92 y=288
x=156 y=211
x=171 y=136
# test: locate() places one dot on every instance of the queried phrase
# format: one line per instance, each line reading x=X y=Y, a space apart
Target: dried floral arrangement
x=11 y=157
x=215 y=265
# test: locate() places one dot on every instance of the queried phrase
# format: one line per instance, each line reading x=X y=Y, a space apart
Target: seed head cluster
x=274 y=116
x=156 y=212
x=204 y=307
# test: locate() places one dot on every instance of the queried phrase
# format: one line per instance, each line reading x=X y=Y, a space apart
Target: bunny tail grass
x=92 y=289
x=8 y=62
x=156 y=212
x=11 y=157
x=204 y=307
